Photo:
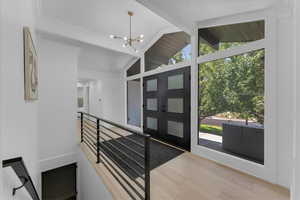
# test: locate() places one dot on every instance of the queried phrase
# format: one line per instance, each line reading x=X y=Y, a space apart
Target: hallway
x=191 y=177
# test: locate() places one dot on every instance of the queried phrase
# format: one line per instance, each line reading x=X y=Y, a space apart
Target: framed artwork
x=30 y=67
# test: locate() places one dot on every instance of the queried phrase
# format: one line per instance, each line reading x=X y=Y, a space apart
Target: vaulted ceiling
x=184 y=13
x=92 y=21
x=105 y=17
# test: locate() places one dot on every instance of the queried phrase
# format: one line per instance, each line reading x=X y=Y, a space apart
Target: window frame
x=157 y=69
x=267 y=171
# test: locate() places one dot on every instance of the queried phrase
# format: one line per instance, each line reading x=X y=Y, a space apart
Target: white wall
x=296 y=138
x=285 y=101
x=90 y=183
x=57 y=115
x=109 y=88
x=18 y=118
x=1 y=94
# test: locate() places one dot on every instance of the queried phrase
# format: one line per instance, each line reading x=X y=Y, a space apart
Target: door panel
x=151 y=105
x=167 y=107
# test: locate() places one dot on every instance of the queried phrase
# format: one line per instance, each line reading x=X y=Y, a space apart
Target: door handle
x=163 y=109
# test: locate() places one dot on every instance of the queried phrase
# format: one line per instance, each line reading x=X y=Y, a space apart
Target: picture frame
x=30 y=67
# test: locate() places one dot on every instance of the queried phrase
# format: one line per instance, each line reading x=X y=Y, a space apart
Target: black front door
x=167 y=107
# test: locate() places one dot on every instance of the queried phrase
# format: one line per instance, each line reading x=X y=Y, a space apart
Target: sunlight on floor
x=211 y=137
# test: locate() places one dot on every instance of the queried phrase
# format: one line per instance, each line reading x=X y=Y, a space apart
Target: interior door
x=167 y=107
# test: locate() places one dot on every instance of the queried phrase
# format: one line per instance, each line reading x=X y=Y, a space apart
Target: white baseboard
x=58 y=161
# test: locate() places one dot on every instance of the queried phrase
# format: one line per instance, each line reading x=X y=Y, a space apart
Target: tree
x=234 y=85
x=211 y=87
x=177 y=58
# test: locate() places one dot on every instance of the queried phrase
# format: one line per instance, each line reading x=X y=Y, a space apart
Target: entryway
x=166 y=105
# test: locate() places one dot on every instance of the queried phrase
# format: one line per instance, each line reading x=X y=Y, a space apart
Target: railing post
x=147 y=167
x=81 y=126
x=98 y=140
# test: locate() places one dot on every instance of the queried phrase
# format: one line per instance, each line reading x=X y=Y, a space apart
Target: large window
x=134 y=69
x=231 y=97
x=170 y=49
x=217 y=38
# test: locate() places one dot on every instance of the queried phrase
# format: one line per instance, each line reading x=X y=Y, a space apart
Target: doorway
x=60 y=183
x=166 y=106
x=83 y=96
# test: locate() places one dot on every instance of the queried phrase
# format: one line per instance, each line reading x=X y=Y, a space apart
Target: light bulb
x=125 y=38
x=124 y=45
x=141 y=40
x=112 y=36
x=141 y=36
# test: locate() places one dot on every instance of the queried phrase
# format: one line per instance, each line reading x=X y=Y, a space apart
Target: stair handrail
x=21 y=171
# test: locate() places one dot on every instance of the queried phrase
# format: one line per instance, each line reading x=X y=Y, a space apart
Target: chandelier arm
x=118 y=37
x=129 y=41
x=130 y=28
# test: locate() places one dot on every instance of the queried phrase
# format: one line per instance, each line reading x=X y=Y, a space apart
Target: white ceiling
x=97 y=58
x=186 y=12
x=106 y=16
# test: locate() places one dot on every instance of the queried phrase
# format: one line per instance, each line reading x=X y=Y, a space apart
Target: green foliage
x=204 y=48
x=234 y=84
x=178 y=57
x=205 y=128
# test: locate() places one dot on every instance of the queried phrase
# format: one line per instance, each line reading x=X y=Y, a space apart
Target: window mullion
x=252 y=46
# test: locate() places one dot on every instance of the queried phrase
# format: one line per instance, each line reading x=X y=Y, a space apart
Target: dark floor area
x=218 y=147
x=159 y=154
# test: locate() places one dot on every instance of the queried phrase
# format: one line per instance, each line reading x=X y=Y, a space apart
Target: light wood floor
x=189 y=177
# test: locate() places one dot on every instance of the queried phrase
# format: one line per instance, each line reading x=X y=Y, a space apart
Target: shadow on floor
x=159 y=154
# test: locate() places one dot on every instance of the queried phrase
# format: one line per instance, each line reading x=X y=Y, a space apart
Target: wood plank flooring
x=189 y=177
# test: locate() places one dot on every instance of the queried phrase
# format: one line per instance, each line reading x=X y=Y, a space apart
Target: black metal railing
x=124 y=152
x=20 y=169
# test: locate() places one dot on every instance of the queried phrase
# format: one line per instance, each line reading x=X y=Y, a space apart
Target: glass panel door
x=167 y=107
x=151 y=105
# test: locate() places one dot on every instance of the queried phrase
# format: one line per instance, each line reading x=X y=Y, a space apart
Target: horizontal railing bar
x=89 y=120
x=124 y=179
x=135 y=152
x=90 y=124
x=125 y=172
x=120 y=182
x=122 y=144
x=90 y=143
x=117 y=149
x=91 y=146
x=93 y=131
x=137 y=173
x=139 y=144
x=91 y=134
x=90 y=138
x=119 y=162
x=117 y=125
x=93 y=151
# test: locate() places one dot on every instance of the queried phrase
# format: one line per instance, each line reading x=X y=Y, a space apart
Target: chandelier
x=129 y=41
